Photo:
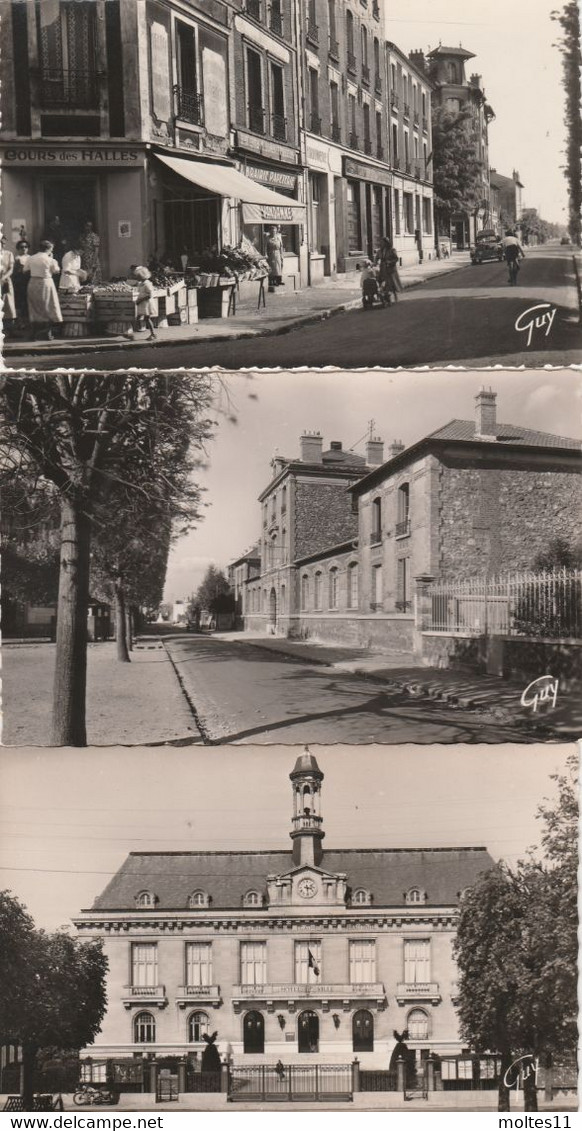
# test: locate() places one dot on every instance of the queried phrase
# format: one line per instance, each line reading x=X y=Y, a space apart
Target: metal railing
x=402 y=528
x=365 y=74
x=290 y=1082
x=296 y=990
x=189 y=106
x=394 y=100
x=411 y=990
x=64 y=89
x=315 y=123
x=279 y=127
x=544 y=604
x=377 y=83
x=351 y=63
x=313 y=33
x=378 y=1080
x=257 y=119
x=333 y=48
x=406 y=109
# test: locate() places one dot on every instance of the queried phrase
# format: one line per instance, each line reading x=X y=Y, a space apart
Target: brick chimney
x=335 y=445
x=486 y=414
x=418 y=60
x=311 y=447
x=374 y=452
x=396 y=447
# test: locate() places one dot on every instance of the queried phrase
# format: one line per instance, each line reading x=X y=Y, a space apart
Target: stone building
x=304 y=955
x=507 y=194
x=410 y=100
x=240 y=572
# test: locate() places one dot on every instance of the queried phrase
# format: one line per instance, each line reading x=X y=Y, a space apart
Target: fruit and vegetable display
x=104 y=290
x=241 y=262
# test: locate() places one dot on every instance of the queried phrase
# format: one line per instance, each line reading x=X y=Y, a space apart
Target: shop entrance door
x=71 y=200
x=308 y=1031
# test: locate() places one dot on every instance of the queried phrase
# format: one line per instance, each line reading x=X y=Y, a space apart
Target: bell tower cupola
x=307 y=834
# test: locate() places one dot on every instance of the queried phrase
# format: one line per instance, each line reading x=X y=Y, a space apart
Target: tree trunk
x=121 y=623
x=70 y=682
x=503 y=1091
x=530 y=1092
x=129 y=628
x=27 y=1075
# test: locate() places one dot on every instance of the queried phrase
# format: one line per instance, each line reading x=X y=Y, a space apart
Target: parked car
x=565 y=240
x=487 y=246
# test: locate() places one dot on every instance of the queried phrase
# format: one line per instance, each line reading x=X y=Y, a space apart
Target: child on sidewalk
x=146 y=304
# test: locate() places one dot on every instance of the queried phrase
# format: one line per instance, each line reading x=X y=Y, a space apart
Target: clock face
x=307 y=888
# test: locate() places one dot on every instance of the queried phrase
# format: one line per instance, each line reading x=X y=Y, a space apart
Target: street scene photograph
x=205 y=559
x=244 y=183
x=310 y=929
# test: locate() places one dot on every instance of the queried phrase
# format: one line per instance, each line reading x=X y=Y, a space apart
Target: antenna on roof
x=371 y=426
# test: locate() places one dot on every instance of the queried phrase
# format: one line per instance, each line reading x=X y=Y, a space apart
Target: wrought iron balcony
x=253 y=9
x=406 y=109
x=279 y=127
x=315 y=123
x=375 y=537
x=189 y=106
x=377 y=83
x=377 y=606
x=204 y=995
x=394 y=100
x=312 y=33
x=403 y=528
x=145 y=995
x=354 y=141
x=257 y=119
x=276 y=20
x=351 y=63
x=368 y=145
x=333 y=49
x=323 y=993
x=63 y=89
x=416 y=118
x=336 y=131
x=418 y=991
x=365 y=74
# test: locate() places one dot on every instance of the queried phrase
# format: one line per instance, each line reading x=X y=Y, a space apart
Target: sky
x=68 y=818
x=521 y=70
x=262 y=413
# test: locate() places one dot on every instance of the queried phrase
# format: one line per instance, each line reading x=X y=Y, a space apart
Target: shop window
x=198 y=1024
x=363 y=1031
x=354 y=217
x=417 y=1025
x=396 y=212
x=254 y=1032
x=308 y=1031
x=144 y=1029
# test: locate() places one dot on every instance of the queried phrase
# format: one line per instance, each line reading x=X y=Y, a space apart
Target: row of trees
x=569 y=20
x=99 y=472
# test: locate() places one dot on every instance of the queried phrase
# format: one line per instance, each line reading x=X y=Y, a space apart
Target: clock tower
x=307 y=834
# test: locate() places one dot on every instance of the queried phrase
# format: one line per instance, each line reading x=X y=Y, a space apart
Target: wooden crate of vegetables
x=77 y=312
x=115 y=307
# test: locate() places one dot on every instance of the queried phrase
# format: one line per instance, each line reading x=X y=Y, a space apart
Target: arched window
x=377 y=520
x=415 y=895
x=417 y=1025
x=452 y=72
x=198 y=899
x=353 y=585
x=333 y=588
x=144 y=1029
x=254 y=1032
x=145 y=899
x=361 y=896
x=304 y=591
x=198 y=1023
x=363 y=1031
x=282 y=599
x=317 y=590
x=252 y=899
x=308 y=1031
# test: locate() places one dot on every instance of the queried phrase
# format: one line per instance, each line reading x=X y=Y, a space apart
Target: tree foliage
x=535 y=229
x=456 y=168
x=52 y=988
x=516 y=948
x=569 y=19
x=213 y=591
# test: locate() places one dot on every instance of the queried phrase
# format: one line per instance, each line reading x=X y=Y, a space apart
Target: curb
x=205 y=738
x=76 y=345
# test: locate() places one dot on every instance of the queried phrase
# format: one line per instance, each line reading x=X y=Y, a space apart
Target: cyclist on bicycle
x=513 y=252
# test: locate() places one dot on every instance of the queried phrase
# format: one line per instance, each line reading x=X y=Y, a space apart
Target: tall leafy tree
x=52 y=988
x=87 y=434
x=569 y=19
x=456 y=168
x=214 y=588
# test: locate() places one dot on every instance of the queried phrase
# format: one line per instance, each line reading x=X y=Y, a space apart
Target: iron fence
x=378 y=1081
x=544 y=604
x=292 y=1082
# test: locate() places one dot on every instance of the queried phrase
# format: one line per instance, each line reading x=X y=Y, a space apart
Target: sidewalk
x=140 y=703
x=492 y=697
x=286 y=310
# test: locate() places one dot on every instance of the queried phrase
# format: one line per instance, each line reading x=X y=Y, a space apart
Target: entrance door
x=273 y=608
x=254 y=1032
x=308 y=1029
x=460 y=234
x=71 y=201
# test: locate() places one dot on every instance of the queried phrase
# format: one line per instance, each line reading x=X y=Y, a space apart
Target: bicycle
x=87 y=1095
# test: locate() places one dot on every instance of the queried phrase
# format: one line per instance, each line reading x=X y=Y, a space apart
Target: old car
x=487 y=246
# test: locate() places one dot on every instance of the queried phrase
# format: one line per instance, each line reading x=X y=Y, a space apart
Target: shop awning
x=260 y=205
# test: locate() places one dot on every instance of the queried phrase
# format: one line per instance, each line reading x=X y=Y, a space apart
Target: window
x=377 y=58
x=403 y=584
x=317 y=590
x=307 y=963
x=256 y=112
x=313 y=79
x=199 y=964
x=406 y=147
x=363 y=1031
x=304 y=592
x=308 y=1031
x=252 y=899
x=403 y=510
x=332 y=24
x=354 y=221
x=254 y=1032
x=282 y=599
x=364 y=38
x=333 y=588
x=353 y=586
x=253 y=963
x=198 y=899
x=283 y=500
x=416 y=961
x=376 y=535
x=334 y=102
x=145 y=899
x=67 y=56
x=415 y=895
x=427 y=215
x=362 y=897
x=377 y=588
x=417 y=1025
x=367 y=134
x=144 y=965
x=408 y=213
x=144 y=1029
x=349 y=34
x=453 y=105
x=198 y=1023
x=278 y=124
x=452 y=73
x=362 y=953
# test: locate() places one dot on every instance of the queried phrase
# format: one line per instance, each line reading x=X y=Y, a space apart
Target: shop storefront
x=324 y=163
x=256 y=226
x=365 y=210
x=51 y=191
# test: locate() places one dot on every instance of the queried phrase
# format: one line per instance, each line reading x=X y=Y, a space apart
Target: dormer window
x=253 y=899
x=146 y=899
x=362 y=898
x=415 y=895
x=199 y=899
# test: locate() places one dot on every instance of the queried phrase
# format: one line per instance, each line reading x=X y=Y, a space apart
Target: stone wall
x=323 y=517
x=529 y=659
x=492 y=520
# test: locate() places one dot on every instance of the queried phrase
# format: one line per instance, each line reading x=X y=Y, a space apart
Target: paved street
x=467 y=318
x=245 y=694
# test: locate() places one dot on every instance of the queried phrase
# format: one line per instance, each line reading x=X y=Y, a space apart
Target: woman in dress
x=8 y=304
x=72 y=274
x=388 y=270
x=20 y=279
x=275 y=258
x=89 y=245
x=44 y=310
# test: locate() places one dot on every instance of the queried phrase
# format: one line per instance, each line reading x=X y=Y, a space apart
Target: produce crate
x=115 y=311
x=213 y=302
x=182 y=297
x=77 y=312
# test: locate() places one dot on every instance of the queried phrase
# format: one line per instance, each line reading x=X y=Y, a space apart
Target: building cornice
x=265 y=920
